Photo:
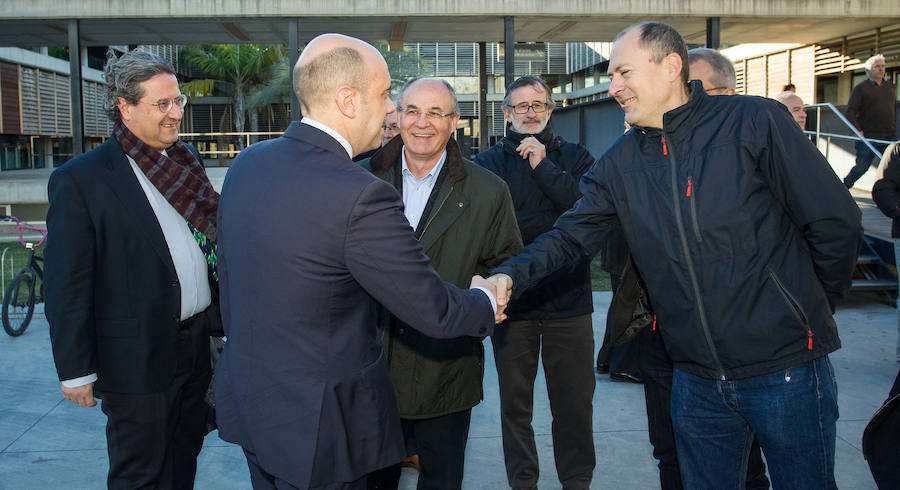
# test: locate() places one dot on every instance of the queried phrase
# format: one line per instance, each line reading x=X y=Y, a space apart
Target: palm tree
x=403 y=65
x=238 y=67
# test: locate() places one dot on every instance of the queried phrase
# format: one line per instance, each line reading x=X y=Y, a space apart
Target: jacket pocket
x=689 y=193
x=794 y=306
x=126 y=327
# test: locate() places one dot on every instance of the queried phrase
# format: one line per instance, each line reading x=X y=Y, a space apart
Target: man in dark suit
x=128 y=292
x=309 y=241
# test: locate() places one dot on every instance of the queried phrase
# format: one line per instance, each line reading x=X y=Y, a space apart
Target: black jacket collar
x=679 y=118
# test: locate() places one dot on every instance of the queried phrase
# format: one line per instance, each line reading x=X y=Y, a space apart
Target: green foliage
x=403 y=65
x=599 y=277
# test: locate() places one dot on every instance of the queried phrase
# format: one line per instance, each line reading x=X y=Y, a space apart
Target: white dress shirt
x=189 y=261
x=417 y=191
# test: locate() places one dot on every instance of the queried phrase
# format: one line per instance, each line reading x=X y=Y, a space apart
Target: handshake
x=500 y=286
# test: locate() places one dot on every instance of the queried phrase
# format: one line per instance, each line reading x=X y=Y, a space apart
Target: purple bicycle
x=20 y=295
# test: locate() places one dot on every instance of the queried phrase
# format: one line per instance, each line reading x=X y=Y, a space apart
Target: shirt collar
x=334 y=134
x=434 y=171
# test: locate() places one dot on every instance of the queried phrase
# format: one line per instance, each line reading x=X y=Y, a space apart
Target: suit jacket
x=308 y=241
x=471 y=229
x=113 y=299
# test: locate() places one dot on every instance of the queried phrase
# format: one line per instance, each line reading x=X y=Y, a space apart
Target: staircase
x=873 y=273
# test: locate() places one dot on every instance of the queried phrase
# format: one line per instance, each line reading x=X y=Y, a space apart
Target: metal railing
x=828 y=136
x=212 y=138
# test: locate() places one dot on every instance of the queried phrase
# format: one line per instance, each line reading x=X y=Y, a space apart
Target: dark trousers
x=153 y=439
x=566 y=348
x=864 y=159
x=263 y=480
x=440 y=443
x=657 y=370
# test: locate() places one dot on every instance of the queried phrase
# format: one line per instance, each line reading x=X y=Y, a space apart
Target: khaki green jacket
x=471 y=230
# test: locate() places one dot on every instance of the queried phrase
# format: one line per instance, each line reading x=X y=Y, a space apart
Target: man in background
x=872 y=109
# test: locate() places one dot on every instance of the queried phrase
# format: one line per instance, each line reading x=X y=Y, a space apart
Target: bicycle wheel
x=18 y=303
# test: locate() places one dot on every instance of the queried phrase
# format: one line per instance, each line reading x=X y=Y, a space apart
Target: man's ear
x=124 y=109
x=673 y=64
x=348 y=101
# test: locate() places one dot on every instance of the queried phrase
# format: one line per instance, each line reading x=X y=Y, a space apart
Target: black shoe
x=627 y=377
x=603 y=367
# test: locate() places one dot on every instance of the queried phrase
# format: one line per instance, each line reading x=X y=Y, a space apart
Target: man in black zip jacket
x=746 y=241
x=553 y=320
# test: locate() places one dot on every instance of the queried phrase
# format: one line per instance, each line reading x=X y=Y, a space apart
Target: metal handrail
x=850 y=126
x=12 y=268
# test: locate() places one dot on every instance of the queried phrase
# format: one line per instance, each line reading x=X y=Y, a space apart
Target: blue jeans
x=792 y=412
x=864 y=159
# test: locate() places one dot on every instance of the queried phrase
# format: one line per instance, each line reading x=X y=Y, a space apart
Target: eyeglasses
x=394 y=128
x=414 y=113
x=165 y=105
x=710 y=90
x=522 y=108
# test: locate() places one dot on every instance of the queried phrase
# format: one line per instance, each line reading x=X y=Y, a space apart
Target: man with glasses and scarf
x=131 y=296
x=552 y=320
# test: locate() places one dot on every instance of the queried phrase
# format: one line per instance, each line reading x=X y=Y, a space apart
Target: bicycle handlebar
x=20 y=227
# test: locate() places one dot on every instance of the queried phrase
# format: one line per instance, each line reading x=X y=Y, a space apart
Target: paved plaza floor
x=47 y=443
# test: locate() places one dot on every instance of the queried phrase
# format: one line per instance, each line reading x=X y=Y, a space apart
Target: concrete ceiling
x=114 y=22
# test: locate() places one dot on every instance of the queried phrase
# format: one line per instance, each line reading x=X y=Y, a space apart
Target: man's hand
x=80 y=395
x=533 y=150
x=503 y=286
x=480 y=282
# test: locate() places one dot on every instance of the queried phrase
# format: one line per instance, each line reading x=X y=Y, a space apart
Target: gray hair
x=527 y=80
x=125 y=74
x=454 y=101
x=316 y=79
x=873 y=59
x=661 y=40
x=723 y=70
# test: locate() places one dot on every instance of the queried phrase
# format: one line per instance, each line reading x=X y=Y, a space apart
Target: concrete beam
x=75 y=89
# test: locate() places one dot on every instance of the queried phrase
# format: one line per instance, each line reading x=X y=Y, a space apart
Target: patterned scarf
x=179 y=177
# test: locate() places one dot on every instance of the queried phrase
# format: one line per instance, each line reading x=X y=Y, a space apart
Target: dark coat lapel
x=125 y=186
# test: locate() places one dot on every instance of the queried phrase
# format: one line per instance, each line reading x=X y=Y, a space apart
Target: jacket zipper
x=690 y=195
x=436 y=211
x=676 y=198
x=795 y=307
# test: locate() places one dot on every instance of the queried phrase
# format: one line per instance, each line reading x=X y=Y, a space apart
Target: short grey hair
x=315 y=79
x=454 y=101
x=873 y=59
x=527 y=80
x=124 y=75
x=723 y=70
x=661 y=40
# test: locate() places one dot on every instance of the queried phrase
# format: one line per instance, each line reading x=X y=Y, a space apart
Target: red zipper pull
x=654 y=324
x=688 y=193
x=809 y=335
x=665 y=150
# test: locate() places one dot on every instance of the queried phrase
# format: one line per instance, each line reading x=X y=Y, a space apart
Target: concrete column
x=76 y=89
x=484 y=127
x=294 y=49
x=509 y=49
x=713 y=25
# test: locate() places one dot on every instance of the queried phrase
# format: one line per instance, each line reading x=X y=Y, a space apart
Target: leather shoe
x=411 y=462
x=602 y=367
x=627 y=377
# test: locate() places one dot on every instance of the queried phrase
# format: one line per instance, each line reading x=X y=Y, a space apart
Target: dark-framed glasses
x=432 y=115
x=522 y=108
x=165 y=105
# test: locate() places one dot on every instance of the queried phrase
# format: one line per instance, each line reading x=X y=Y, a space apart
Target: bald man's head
x=795 y=105
x=328 y=62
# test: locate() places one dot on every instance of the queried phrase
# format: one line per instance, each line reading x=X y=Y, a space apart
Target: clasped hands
x=500 y=286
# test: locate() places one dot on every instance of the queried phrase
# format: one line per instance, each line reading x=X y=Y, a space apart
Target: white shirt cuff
x=76 y=382
x=490 y=297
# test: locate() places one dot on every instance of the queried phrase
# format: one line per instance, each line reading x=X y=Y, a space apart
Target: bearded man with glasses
x=552 y=320
x=131 y=294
